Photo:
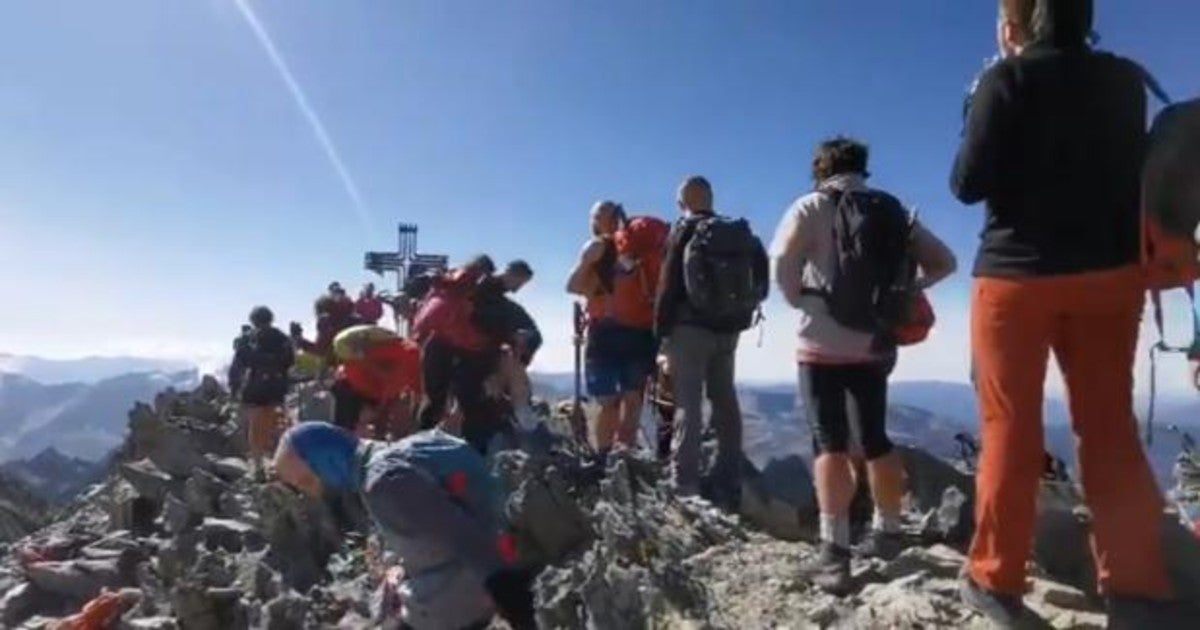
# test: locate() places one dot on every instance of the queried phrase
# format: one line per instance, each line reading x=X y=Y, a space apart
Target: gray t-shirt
x=803 y=255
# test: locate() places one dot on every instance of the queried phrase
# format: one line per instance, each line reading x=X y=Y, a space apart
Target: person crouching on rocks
x=377 y=382
x=258 y=377
x=437 y=508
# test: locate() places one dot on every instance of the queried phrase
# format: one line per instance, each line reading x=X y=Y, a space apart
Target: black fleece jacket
x=1054 y=143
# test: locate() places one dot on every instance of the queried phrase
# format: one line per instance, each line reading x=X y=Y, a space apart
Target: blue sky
x=157 y=177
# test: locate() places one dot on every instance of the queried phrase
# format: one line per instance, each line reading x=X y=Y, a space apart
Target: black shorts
x=836 y=395
x=267 y=392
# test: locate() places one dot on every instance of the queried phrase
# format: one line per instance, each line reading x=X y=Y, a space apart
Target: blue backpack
x=457 y=467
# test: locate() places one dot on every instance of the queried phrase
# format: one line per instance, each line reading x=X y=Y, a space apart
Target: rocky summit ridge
x=178 y=535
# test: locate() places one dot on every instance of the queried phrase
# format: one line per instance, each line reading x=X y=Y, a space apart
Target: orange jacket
x=387 y=370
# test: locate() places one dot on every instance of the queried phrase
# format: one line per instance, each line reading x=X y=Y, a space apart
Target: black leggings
x=826 y=391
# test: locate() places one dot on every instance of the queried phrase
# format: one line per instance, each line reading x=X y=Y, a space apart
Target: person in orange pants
x=1090 y=323
x=1053 y=142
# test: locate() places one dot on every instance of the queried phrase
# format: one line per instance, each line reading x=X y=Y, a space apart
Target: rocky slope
x=180 y=537
x=21 y=511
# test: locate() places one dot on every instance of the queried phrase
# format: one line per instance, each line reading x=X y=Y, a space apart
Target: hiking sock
x=886 y=524
x=835 y=528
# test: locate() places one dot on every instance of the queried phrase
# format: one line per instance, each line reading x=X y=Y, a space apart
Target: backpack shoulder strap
x=1155 y=87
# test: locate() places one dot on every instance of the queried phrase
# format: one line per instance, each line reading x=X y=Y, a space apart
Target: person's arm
x=934 y=258
x=671 y=292
x=789 y=249
x=975 y=175
x=582 y=281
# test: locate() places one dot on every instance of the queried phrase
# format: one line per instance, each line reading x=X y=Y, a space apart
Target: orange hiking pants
x=1090 y=321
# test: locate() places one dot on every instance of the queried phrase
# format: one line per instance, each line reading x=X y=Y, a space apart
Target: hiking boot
x=1005 y=611
x=830 y=570
x=880 y=544
x=1129 y=613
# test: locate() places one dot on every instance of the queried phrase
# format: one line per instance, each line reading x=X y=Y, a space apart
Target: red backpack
x=447 y=311
x=640 y=249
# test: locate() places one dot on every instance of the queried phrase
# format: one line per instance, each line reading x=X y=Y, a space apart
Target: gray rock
x=314 y=405
x=177 y=517
x=937 y=486
x=257 y=579
x=300 y=533
x=18 y=603
x=229 y=468
x=548 y=520
x=1061 y=547
x=286 y=612
x=1181 y=548
x=177 y=556
x=938 y=561
x=80 y=579
x=200 y=608
x=149 y=623
x=171 y=448
x=780 y=499
x=147 y=479
x=203 y=492
x=232 y=536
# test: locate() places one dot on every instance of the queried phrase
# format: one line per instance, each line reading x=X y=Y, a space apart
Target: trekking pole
x=578 y=418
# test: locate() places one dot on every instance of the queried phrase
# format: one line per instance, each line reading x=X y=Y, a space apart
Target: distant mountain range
x=86 y=370
x=926 y=414
x=80 y=420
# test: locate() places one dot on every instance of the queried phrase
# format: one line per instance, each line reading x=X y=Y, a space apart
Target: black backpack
x=872 y=285
x=721 y=274
x=269 y=356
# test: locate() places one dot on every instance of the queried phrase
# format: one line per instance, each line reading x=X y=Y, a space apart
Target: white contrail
x=310 y=114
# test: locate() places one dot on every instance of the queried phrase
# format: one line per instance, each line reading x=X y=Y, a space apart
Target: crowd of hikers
x=1054 y=143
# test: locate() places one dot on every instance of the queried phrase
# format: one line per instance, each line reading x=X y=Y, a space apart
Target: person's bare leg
x=258 y=438
x=888 y=485
x=833 y=476
x=631 y=419
x=607 y=423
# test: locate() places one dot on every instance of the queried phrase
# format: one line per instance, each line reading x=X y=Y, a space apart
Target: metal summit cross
x=405 y=262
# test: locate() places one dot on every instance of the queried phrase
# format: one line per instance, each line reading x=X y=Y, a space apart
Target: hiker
x=342 y=307
x=437 y=507
x=332 y=318
x=457 y=353
x=368 y=308
x=377 y=381
x=258 y=376
x=850 y=286
x=504 y=319
x=620 y=348
x=1053 y=143
x=714 y=280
